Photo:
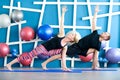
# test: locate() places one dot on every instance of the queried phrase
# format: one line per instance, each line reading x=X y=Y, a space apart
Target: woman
x=87 y=45
x=58 y=45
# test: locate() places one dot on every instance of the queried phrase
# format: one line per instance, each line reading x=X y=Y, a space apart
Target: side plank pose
x=87 y=45
x=59 y=45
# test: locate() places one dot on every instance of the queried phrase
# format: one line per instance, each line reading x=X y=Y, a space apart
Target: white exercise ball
x=17 y=15
x=4 y=20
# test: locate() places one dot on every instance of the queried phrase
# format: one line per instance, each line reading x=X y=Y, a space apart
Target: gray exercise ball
x=4 y=20
x=17 y=15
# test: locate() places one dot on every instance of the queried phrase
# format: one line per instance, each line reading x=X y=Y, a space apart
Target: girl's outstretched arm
x=63 y=60
x=61 y=28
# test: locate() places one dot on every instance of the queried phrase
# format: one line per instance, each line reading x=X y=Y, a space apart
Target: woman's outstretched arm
x=61 y=28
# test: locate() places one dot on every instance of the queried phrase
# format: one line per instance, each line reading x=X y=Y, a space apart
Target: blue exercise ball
x=113 y=55
x=45 y=32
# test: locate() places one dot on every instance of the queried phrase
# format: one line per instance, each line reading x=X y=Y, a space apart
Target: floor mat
x=56 y=70
x=102 y=69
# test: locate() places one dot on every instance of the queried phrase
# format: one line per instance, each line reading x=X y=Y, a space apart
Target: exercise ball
x=27 y=33
x=25 y=59
x=17 y=15
x=14 y=52
x=4 y=20
x=43 y=57
x=86 y=58
x=113 y=55
x=4 y=49
x=45 y=32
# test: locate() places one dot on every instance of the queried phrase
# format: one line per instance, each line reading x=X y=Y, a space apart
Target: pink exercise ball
x=86 y=58
x=27 y=33
x=25 y=59
x=4 y=49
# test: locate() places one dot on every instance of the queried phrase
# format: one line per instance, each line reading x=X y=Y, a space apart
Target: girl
x=54 y=46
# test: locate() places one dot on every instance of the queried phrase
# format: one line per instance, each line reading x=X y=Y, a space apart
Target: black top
x=90 y=41
x=73 y=50
x=81 y=48
x=53 y=43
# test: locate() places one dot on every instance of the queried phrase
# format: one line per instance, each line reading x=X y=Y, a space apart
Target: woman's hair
x=77 y=35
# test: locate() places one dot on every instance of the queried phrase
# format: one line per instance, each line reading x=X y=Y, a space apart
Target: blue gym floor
x=57 y=74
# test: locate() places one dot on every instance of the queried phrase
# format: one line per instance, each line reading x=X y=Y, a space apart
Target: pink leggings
x=40 y=50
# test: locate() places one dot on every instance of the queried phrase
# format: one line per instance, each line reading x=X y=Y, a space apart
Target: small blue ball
x=100 y=59
x=14 y=52
x=105 y=60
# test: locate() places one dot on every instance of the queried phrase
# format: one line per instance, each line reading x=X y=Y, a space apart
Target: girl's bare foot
x=66 y=69
x=44 y=66
x=9 y=67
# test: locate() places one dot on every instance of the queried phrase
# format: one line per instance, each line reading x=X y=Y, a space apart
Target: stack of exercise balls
x=27 y=33
x=44 y=32
x=5 y=20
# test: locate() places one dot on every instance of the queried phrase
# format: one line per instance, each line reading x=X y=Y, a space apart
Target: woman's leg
x=11 y=63
x=31 y=54
x=23 y=57
x=49 y=60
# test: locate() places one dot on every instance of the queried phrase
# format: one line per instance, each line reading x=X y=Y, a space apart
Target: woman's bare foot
x=9 y=67
x=44 y=66
x=95 y=68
